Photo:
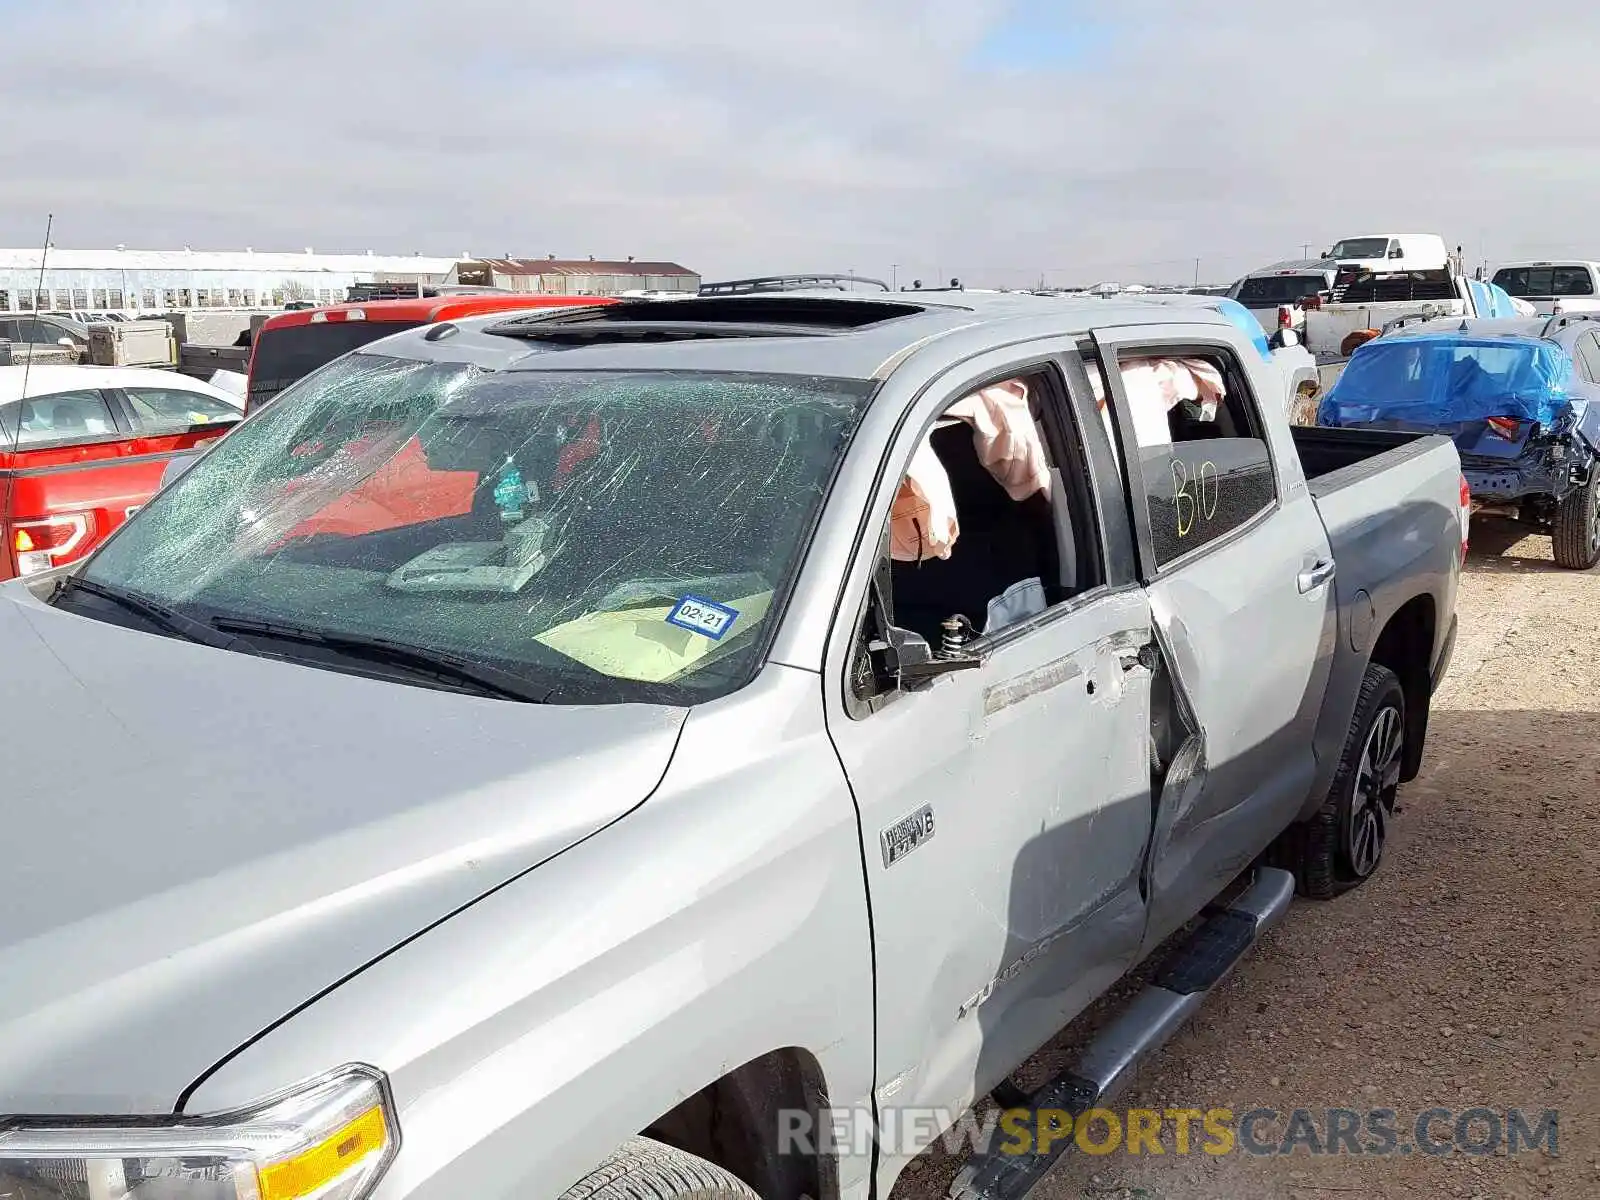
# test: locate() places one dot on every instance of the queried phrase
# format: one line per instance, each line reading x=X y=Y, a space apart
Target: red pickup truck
x=82 y=447
x=291 y=345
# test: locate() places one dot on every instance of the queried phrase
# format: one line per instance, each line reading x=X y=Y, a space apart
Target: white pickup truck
x=1364 y=302
x=1553 y=288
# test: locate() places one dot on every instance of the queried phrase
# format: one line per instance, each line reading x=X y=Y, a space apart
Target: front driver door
x=1005 y=813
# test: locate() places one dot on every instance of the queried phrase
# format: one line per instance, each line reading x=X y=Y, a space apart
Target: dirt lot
x=1466 y=974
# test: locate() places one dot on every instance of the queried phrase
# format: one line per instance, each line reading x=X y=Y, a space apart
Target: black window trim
x=1135 y=343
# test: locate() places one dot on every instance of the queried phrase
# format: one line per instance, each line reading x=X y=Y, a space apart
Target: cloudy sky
x=1003 y=142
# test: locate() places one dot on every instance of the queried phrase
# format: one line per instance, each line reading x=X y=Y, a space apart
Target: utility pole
x=1197 y=272
x=894 y=277
x=1305 y=249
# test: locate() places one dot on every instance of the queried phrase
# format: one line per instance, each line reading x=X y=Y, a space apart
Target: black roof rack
x=673 y=320
x=1409 y=319
x=1562 y=320
x=916 y=286
x=789 y=283
x=362 y=293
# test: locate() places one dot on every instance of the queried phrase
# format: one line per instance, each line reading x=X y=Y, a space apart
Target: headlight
x=331 y=1139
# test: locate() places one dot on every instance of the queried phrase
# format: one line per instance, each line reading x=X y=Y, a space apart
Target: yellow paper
x=640 y=644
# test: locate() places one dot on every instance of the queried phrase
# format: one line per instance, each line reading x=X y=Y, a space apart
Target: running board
x=1149 y=1020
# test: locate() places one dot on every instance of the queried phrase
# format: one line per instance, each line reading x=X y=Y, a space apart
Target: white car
x=46 y=380
x=155 y=396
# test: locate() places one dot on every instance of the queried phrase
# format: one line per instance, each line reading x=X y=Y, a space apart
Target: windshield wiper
x=439 y=664
x=170 y=620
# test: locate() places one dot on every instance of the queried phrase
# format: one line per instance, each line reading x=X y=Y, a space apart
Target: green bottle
x=509 y=494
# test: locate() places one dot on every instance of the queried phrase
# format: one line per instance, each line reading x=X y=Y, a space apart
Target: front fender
x=526 y=1036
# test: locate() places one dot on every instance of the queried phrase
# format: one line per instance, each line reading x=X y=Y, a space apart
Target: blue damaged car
x=1521 y=400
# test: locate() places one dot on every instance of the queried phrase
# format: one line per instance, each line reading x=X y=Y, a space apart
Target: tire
x=1576 y=537
x=1341 y=847
x=642 y=1169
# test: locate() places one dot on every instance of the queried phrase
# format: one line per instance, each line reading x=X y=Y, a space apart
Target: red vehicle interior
x=290 y=345
x=63 y=495
x=406 y=490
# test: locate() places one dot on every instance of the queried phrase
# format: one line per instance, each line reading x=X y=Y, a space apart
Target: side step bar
x=1157 y=1012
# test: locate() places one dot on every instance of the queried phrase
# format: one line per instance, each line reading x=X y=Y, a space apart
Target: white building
x=579 y=277
x=153 y=281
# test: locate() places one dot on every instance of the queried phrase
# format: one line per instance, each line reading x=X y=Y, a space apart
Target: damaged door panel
x=1177 y=777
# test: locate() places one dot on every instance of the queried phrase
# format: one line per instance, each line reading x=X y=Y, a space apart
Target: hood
x=199 y=841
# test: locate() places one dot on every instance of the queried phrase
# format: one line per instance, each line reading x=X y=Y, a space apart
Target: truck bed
x=1391 y=505
x=1340 y=458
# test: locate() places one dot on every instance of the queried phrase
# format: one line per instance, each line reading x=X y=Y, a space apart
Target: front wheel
x=642 y=1169
x=1341 y=847
x=1576 y=537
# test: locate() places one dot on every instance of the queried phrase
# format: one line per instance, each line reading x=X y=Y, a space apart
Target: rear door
x=1239 y=573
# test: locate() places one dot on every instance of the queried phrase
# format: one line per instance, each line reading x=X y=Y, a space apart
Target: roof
x=1547 y=262
x=1561 y=330
x=1305 y=265
x=963 y=323
x=1520 y=333
x=43 y=380
x=428 y=309
x=1357 y=237
x=574 y=266
x=1475 y=327
x=224 y=260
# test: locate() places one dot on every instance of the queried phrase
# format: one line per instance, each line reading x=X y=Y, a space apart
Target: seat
x=1002 y=542
x=66 y=419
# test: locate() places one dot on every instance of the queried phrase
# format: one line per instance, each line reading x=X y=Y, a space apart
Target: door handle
x=1318 y=575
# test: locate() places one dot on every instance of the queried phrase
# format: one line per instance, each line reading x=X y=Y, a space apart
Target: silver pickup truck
x=650 y=750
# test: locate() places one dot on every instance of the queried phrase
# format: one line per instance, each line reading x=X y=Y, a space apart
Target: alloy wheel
x=1377 y=782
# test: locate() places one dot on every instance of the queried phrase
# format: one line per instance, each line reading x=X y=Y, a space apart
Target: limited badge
x=906 y=835
x=702 y=616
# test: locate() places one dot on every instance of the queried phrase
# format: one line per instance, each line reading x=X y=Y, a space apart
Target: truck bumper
x=1446 y=652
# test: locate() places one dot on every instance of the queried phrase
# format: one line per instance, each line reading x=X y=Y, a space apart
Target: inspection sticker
x=702 y=616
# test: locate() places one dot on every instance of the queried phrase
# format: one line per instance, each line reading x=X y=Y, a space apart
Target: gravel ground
x=1465 y=974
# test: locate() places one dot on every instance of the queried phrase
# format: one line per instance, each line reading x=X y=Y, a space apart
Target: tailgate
x=1326 y=327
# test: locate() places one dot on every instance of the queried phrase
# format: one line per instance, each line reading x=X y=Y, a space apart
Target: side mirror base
x=905 y=662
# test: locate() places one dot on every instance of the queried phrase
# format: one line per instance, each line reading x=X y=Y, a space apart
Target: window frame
x=124 y=397
x=1572 y=270
x=1588 y=344
x=54 y=331
x=121 y=431
x=1144 y=342
x=1077 y=445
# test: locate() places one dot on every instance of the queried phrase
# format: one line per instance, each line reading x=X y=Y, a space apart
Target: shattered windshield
x=615 y=535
